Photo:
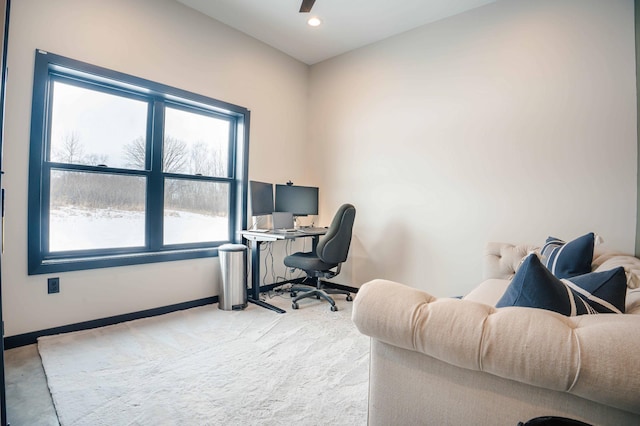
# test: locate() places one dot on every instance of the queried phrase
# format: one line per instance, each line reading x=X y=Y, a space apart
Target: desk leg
x=255 y=280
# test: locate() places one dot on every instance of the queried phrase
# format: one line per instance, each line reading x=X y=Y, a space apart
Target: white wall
x=163 y=41
x=511 y=122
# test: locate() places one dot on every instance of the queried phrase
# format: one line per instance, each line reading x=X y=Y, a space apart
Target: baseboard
x=30 y=338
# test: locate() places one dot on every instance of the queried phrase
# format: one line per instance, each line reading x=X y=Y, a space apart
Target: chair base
x=319 y=292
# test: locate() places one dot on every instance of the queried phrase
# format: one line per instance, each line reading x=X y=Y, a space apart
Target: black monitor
x=261 y=198
x=299 y=200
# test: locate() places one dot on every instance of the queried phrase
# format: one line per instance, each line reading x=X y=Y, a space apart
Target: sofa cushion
x=566 y=260
x=534 y=286
x=488 y=291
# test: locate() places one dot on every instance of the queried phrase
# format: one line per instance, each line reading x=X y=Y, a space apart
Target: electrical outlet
x=53 y=285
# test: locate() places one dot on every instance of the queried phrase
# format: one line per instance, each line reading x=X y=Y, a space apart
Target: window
x=125 y=171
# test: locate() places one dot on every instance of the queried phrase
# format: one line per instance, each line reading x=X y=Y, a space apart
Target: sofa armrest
x=502 y=260
x=589 y=356
x=604 y=261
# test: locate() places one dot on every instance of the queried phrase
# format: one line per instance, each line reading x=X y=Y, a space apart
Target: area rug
x=205 y=366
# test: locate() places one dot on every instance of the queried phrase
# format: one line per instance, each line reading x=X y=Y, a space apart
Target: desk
x=258 y=238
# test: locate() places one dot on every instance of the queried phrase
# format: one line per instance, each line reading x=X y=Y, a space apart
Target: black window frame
x=50 y=67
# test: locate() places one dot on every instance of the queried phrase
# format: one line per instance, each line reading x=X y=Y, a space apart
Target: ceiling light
x=314 y=21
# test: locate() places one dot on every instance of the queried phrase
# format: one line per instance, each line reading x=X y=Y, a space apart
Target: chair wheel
x=334 y=308
x=294 y=305
x=349 y=298
x=294 y=294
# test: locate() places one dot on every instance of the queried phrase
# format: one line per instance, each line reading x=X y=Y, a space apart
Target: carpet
x=204 y=366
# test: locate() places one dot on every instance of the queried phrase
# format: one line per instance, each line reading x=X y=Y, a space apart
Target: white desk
x=257 y=238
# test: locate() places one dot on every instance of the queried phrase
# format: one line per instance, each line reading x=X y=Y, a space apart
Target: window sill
x=47 y=266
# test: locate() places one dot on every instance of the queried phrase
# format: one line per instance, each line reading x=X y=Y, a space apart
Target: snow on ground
x=73 y=228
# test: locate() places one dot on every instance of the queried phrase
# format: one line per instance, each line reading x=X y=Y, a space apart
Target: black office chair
x=326 y=260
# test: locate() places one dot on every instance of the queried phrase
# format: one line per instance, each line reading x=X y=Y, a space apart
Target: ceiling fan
x=306 y=6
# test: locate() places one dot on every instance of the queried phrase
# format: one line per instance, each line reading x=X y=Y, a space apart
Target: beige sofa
x=464 y=362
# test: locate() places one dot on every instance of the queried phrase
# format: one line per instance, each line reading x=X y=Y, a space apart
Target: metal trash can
x=233 y=265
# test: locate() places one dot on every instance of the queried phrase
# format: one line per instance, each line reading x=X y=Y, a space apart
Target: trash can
x=233 y=265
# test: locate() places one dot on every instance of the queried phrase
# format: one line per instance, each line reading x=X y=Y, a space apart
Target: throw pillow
x=566 y=260
x=534 y=286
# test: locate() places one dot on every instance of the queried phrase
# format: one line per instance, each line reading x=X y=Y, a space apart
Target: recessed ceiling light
x=314 y=21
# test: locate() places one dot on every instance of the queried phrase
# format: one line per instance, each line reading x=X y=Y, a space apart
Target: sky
x=104 y=123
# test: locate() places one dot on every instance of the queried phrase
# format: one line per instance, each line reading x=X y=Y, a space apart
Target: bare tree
x=199 y=159
x=174 y=156
x=71 y=150
x=218 y=162
x=178 y=157
x=135 y=152
x=97 y=159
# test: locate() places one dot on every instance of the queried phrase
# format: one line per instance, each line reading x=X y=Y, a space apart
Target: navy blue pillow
x=567 y=260
x=534 y=286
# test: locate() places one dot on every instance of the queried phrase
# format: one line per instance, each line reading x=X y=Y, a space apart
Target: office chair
x=326 y=260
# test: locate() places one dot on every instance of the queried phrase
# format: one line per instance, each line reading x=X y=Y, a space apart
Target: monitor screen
x=299 y=200
x=261 y=198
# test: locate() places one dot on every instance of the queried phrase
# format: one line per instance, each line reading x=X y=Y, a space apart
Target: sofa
x=462 y=361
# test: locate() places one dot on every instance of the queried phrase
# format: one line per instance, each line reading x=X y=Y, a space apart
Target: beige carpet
x=205 y=366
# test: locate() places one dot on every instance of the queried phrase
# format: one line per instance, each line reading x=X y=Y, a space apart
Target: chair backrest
x=333 y=246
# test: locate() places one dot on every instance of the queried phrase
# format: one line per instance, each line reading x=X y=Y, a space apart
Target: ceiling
x=347 y=24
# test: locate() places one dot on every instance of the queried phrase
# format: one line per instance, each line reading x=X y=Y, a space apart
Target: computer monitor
x=299 y=200
x=261 y=198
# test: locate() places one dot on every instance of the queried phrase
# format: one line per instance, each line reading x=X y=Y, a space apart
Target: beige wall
x=511 y=122
x=163 y=41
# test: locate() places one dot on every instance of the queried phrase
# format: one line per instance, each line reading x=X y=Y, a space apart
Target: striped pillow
x=534 y=286
x=567 y=260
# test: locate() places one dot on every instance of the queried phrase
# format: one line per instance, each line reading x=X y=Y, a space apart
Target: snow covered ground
x=73 y=228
